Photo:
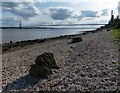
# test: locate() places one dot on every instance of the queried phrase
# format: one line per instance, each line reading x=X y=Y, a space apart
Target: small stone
x=90 y=75
x=82 y=75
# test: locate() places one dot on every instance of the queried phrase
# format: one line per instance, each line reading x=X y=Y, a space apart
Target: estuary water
x=30 y=34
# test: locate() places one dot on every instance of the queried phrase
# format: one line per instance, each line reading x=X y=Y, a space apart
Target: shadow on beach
x=21 y=83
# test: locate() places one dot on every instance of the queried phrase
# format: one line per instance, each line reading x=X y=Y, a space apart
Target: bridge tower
x=20 y=23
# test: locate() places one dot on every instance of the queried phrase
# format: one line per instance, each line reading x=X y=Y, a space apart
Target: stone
x=38 y=71
x=82 y=75
x=46 y=60
x=76 y=40
x=11 y=42
x=43 y=65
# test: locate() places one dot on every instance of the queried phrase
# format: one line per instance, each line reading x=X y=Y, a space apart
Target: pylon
x=20 y=23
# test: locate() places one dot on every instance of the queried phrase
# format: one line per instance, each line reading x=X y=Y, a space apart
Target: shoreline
x=12 y=46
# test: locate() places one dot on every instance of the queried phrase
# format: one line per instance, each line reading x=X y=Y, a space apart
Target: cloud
x=105 y=12
x=119 y=9
x=58 y=13
x=68 y=14
x=9 y=21
x=89 y=13
x=22 y=9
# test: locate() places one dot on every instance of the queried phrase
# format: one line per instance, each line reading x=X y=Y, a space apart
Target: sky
x=52 y=12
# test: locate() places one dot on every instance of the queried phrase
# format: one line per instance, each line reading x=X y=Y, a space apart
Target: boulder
x=43 y=65
x=75 y=40
x=46 y=60
x=38 y=71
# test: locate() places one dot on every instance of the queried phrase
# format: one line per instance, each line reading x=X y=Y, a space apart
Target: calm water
x=30 y=34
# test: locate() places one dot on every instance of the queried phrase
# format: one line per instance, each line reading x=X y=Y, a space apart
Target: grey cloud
x=4 y=19
x=119 y=9
x=64 y=13
x=80 y=17
x=89 y=13
x=104 y=12
x=9 y=5
x=9 y=21
x=60 y=13
x=25 y=10
x=119 y=6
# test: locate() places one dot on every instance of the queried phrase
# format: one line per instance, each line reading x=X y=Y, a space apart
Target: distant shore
x=26 y=28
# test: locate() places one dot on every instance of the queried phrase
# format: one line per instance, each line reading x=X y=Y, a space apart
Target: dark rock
x=43 y=65
x=75 y=40
x=95 y=75
x=84 y=33
x=108 y=29
x=82 y=75
x=38 y=71
x=10 y=41
x=40 y=41
x=46 y=60
x=90 y=76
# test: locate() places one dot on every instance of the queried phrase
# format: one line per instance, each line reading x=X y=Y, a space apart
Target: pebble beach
x=89 y=65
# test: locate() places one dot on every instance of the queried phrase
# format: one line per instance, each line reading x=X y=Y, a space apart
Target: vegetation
x=113 y=24
x=116 y=34
x=118 y=62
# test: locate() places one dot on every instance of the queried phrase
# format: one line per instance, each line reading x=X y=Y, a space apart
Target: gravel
x=89 y=65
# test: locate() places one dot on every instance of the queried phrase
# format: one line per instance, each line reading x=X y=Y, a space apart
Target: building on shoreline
x=112 y=16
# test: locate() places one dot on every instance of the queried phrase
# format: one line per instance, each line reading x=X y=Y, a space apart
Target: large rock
x=43 y=65
x=76 y=40
x=38 y=71
x=46 y=60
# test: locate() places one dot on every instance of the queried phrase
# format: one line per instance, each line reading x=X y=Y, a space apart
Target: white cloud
x=24 y=9
x=105 y=12
x=61 y=0
x=119 y=9
x=24 y=1
x=56 y=15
